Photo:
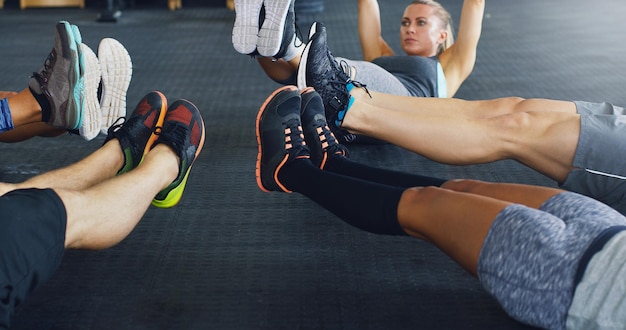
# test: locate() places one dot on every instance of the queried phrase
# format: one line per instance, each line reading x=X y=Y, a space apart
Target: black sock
x=344 y=166
x=369 y=206
x=44 y=104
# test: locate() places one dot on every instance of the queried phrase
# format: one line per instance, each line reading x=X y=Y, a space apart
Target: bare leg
x=27 y=131
x=462 y=108
x=26 y=116
x=279 y=70
x=24 y=108
x=104 y=214
x=531 y=196
x=544 y=141
x=458 y=222
x=102 y=164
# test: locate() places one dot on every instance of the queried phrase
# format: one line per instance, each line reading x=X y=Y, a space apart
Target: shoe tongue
x=289 y=106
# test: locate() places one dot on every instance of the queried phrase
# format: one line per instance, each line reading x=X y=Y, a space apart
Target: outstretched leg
x=545 y=141
x=455 y=217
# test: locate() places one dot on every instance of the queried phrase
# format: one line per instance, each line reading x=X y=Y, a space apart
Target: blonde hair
x=445 y=17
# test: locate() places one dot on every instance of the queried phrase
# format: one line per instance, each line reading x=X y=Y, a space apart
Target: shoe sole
x=74 y=110
x=301 y=74
x=92 y=116
x=272 y=30
x=259 y=158
x=246 y=27
x=174 y=196
x=117 y=70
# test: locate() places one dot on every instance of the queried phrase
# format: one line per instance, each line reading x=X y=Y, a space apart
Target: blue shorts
x=32 y=240
x=529 y=259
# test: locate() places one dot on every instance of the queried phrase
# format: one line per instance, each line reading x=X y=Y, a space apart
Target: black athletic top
x=422 y=76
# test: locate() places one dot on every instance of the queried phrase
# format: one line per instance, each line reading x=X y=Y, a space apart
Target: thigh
x=530 y=251
x=32 y=235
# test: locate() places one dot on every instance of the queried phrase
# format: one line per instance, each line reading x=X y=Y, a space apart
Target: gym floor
x=232 y=257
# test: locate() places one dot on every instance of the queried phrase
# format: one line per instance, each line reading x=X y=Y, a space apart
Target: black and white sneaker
x=278 y=29
x=319 y=69
x=246 y=27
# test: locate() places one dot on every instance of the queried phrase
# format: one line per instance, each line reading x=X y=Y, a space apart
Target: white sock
x=296 y=46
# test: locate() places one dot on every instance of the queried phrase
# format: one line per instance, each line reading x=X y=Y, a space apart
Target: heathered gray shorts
x=529 y=258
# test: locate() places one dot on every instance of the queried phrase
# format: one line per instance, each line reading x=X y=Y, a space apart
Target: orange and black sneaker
x=279 y=136
x=317 y=135
x=138 y=133
x=183 y=131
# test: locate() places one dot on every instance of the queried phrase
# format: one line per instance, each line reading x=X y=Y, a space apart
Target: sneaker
x=318 y=136
x=319 y=69
x=92 y=117
x=138 y=133
x=246 y=27
x=183 y=131
x=58 y=86
x=279 y=136
x=278 y=29
x=117 y=71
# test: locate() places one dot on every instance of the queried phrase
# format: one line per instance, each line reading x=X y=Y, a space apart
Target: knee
x=418 y=195
x=513 y=122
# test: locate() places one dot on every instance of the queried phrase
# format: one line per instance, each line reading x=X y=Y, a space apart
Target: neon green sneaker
x=183 y=131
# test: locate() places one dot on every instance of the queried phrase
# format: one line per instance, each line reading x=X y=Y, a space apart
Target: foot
x=279 y=136
x=246 y=26
x=183 y=131
x=278 y=29
x=319 y=69
x=138 y=133
x=92 y=117
x=59 y=85
x=117 y=71
x=318 y=136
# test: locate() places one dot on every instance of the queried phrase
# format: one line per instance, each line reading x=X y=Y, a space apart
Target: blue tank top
x=422 y=76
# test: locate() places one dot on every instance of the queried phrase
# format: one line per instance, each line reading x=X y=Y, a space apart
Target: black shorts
x=32 y=239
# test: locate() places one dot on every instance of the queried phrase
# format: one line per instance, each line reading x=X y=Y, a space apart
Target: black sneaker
x=59 y=85
x=319 y=69
x=318 y=136
x=183 y=130
x=138 y=133
x=278 y=28
x=279 y=136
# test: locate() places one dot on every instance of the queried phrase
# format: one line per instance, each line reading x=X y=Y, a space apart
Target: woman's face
x=421 y=31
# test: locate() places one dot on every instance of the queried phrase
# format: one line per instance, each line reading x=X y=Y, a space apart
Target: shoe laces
x=44 y=74
x=175 y=136
x=117 y=124
x=294 y=135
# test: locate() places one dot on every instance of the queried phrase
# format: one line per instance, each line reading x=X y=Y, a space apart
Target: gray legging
x=376 y=78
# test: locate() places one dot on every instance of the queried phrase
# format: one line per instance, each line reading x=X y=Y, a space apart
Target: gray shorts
x=530 y=257
x=599 y=158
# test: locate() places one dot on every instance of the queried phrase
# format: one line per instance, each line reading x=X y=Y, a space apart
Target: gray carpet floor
x=232 y=257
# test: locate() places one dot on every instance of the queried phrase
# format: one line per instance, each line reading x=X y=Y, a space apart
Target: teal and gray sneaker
x=59 y=85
